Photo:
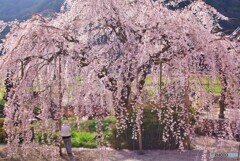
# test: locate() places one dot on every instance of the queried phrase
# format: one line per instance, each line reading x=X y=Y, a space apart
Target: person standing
x=66 y=137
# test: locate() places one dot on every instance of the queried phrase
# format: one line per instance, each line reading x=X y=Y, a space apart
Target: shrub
x=152 y=134
x=2 y=101
x=90 y=125
x=47 y=138
x=87 y=126
x=83 y=139
x=3 y=136
x=1 y=122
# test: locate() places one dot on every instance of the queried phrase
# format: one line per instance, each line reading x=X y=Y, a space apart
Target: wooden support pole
x=60 y=103
x=139 y=122
x=140 y=135
x=160 y=84
x=187 y=107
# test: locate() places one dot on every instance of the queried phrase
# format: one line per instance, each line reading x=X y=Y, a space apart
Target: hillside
x=229 y=8
x=23 y=9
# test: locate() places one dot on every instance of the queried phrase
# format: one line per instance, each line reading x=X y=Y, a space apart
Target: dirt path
x=151 y=155
x=126 y=155
x=199 y=143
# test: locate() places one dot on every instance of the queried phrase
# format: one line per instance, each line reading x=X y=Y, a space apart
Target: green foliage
x=3 y=134
x=84 y=135
x=36 y=110
x=211 y=85
x=90 y=125
x=152 y=134
x=46 y=138
x=2 y=101
x=83 y=139
x=148 y=81
x=152 y=139
x=1 y=108
x=1 y=122
x=215 y=88
x=150 y=93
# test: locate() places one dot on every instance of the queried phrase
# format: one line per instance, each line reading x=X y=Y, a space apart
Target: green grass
x=216 y=89
x=207 y=80
x=148 y=81
x=210 y=84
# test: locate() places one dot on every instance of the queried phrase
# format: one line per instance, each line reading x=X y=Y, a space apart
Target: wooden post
x=140 y=135
x=60 y=103
x=187 y=106
x=224 y=84
x=160 y=84
x=223 y=97
x=139 y=123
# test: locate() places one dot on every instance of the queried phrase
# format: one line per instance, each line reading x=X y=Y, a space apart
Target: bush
x=152 y=134
x=87 y=126
x=1 y=108
x=83 y=139
x=47 y=138
x=1 y=122
x=2 y=101
x=3 y=136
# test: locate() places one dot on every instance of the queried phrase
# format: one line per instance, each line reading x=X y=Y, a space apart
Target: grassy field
x=211 y=85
